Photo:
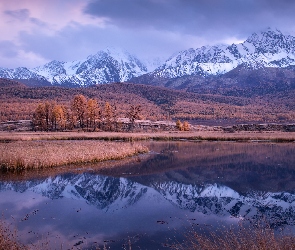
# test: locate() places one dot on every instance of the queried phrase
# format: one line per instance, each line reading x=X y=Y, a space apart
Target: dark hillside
x=10 y=83
x=18 y=102
x=240 y=82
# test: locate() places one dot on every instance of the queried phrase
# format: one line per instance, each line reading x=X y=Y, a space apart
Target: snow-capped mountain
x=110 y=65
x=266 y=49
x=269 y=48
x=106 y=193
x=24 y=74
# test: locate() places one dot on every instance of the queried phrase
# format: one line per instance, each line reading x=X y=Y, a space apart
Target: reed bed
x=42 y=154
x=272 y=136
x=8 y=239
x=244 y=238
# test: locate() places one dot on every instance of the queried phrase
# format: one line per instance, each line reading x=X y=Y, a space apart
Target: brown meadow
x=9 y=239
x=209 y=135
x=41 y=154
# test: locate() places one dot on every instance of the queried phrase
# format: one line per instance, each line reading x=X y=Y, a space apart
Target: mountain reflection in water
x=145 y=199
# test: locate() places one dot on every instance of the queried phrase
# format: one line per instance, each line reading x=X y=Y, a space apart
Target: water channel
x=152 y=200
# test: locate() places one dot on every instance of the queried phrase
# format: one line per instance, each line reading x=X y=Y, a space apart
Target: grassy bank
x=8 y=239
x=243 y=238
x=42 y=154
x=274 y=136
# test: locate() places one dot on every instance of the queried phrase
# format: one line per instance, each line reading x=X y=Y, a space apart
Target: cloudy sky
x=34 y=32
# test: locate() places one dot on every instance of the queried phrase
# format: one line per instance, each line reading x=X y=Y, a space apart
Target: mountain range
x=188 y=69
x=269 y=48
x=110 y=65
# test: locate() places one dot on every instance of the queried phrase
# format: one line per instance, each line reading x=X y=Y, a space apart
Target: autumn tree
x=39 y=117
x=59 y=117
x=79 y=109
x=48 y=115
x=70 y=119
x=43 y=116
x=179 y=125
x=117 y=125
x=133 y=114
x=93 y=113
x=50 y=106
x=185 y=126
x=108 y=116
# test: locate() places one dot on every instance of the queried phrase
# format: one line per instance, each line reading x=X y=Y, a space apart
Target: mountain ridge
x=109 y=65
x=267 y=49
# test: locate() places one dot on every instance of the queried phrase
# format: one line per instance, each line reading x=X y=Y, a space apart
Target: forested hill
x=19 y=102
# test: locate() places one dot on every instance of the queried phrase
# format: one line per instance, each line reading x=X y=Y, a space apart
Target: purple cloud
x=21 y=14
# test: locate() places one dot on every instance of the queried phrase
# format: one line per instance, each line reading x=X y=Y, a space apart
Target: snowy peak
x=118 y=54
x=271 y=41
x=109 y=65
x=269 y=48
x=50 y=70
x=20 y=73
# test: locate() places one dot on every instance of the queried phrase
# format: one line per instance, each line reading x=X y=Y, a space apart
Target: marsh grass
x=255 y=237
x=260 y=237
x=243 y=136
x=41 y=154
x=8 y=238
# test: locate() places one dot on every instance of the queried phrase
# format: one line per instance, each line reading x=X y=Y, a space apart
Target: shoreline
x=40 y=150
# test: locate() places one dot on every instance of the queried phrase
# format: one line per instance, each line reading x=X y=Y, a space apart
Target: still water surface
x=152 y=200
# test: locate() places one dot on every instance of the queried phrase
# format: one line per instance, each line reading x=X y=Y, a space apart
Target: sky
x=34 y=32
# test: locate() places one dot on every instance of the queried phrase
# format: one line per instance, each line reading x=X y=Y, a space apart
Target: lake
x=153 y=200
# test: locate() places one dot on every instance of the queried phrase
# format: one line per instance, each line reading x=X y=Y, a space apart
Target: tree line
x=83 y=113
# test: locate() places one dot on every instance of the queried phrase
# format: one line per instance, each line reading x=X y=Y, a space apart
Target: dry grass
x=275 y=136
x=259 y=237
x=41 y=154
x=8 y=239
